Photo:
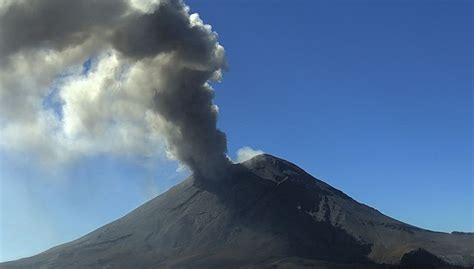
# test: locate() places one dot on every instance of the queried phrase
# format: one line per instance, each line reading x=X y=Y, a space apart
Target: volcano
x=263 y=213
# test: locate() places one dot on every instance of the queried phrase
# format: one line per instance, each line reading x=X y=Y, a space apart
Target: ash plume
x=154 y=64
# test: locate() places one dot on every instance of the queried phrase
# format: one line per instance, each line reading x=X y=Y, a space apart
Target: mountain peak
x=265 y=158
x=264 y=213
x=272 y=168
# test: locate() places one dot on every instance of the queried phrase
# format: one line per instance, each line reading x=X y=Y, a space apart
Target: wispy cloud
x=247 y=153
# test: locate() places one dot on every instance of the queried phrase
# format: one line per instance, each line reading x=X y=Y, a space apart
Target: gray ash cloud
x=176 y=53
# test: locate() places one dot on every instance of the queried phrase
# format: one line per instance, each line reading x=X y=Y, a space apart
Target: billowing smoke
x=85 y=73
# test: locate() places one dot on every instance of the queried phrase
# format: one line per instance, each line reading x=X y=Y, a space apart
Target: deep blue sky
x=373 y=97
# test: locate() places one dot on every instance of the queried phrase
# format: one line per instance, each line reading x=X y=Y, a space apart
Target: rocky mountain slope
x=264 y=213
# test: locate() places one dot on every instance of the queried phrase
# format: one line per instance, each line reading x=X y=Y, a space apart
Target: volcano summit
x=263 y=213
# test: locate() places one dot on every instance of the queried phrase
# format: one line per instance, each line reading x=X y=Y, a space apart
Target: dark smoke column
x=183 y=98
x=176 y=53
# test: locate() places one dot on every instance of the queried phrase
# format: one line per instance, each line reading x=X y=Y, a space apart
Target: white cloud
x=247 y=153
x=145 y=6
x=107 y=111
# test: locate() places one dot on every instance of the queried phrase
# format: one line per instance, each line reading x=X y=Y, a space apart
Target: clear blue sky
x=373 y=97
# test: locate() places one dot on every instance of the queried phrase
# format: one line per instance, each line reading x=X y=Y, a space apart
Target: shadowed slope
x=265 y=212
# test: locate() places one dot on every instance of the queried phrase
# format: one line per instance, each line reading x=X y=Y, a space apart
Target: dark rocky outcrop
x=422 y=259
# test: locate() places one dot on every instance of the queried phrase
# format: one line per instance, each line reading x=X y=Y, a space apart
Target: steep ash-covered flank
x=390 y=239
x=263 y=213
